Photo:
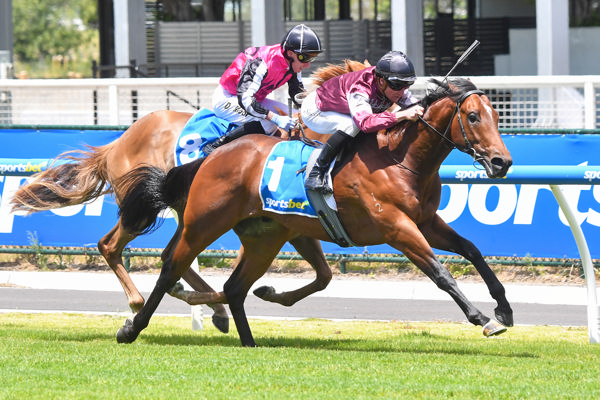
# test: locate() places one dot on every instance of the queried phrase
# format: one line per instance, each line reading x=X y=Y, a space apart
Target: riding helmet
x=302 y=39
x=394 y=65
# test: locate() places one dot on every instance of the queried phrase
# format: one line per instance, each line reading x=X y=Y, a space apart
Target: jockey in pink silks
x=241 y=97
x=358 y=101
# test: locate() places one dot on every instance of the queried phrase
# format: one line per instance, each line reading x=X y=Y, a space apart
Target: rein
x=304 y=139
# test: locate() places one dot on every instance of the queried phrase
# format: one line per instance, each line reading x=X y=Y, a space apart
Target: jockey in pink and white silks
x=241 y=97
x=358 y=101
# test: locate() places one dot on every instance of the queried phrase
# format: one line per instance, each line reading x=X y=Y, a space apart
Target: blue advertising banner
x=81 y=225
x=501 y=219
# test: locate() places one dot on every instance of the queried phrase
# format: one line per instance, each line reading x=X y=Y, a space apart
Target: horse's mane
x=453 y=88
x=331 y=70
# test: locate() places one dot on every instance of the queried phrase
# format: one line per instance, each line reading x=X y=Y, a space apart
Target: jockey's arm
x=250 y=81
x=363 y=114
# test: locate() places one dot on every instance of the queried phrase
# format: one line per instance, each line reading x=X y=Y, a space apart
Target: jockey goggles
x=306 y=57
x=398 y=84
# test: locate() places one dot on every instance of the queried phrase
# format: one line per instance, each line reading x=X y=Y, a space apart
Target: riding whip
x=463 y=56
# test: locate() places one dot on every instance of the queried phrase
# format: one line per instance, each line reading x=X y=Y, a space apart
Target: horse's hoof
x=505 y=317
x=493 y=328
x=221 y=323
x=126 y=334
x=264 y=291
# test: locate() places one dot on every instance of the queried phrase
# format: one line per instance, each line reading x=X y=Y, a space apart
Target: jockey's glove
x=284 y=122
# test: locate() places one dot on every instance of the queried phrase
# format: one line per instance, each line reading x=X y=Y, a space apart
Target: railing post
x=113 y=104
x=126 y=259
x=590 y=105
x=342 y=264
x=586 y=262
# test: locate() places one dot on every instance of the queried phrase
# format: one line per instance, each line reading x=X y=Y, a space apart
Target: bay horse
x=387 y=189
x=95 y=172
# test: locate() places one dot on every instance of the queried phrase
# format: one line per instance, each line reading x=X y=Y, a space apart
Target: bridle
x=467 y=148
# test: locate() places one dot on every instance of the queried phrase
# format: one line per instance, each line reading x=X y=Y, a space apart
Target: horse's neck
x=418 y=147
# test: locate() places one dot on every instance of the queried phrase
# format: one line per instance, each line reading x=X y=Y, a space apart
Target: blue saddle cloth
x=282 y=184
x=204 y=127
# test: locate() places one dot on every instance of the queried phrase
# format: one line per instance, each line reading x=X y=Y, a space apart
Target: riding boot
x=245 y=129
x=317 y=179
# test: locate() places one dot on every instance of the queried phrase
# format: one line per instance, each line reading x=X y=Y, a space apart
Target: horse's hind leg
x=220 y=318
x=310 y=249
x=443 y=237
x=172 y=270
x=259 y=252
x=169 y=275
x=111 y=247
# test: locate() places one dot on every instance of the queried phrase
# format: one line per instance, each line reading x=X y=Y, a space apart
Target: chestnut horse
x=387 y=188
x=92 y=173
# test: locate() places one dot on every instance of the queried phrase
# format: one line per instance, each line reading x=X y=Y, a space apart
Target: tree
x=182 y=10
x=584 y=12
x=47 y=28
x=214 y=10
x=177 y=10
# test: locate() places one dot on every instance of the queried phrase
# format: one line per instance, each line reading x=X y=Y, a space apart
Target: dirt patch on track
x=564 y=274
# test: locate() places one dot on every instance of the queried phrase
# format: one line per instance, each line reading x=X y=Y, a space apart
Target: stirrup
x=317 y=183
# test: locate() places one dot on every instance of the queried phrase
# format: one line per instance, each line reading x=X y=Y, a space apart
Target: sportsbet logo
x=22 y=167
x=286 y=204
x=470 y=174
x=591 y=175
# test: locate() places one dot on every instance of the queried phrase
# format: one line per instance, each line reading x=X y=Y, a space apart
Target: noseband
x=468 y=147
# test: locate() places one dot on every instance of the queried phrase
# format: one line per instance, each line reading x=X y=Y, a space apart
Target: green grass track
x=75 y=356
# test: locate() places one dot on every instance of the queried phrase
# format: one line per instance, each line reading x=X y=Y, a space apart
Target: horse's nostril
x=501 y=165
x=497 y=162
x=501 y=162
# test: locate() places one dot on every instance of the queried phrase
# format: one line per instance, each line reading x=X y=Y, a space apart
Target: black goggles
x=398 y=84
x=306 y=57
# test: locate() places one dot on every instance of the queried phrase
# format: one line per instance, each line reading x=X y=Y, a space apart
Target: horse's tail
x=150 y=190
x=82 y=178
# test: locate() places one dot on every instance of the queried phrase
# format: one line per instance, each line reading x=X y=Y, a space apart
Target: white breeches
x=226 y=106
x=326 y=122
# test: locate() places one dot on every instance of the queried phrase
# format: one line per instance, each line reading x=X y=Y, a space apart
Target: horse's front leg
x=194 y=297
x=408 y=239
x=441 y=236
x=220 y=319
x=171 y=271
x=310 y=249
x=259 y=252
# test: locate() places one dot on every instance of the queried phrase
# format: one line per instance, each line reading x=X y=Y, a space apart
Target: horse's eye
x=473 y=117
